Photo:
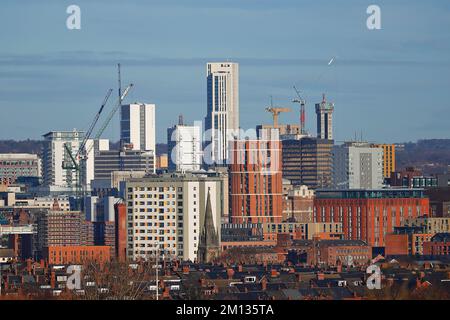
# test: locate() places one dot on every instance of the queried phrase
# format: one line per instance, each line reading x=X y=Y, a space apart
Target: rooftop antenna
x=180 y=120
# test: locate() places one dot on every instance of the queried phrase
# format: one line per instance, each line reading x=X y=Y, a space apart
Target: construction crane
x=302 y=103
x=110 y=116
x=106 y=123
x=275 y=112
x=78 y=162
x=74 y=160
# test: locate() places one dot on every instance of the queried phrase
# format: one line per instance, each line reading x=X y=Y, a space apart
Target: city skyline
x=49 y=70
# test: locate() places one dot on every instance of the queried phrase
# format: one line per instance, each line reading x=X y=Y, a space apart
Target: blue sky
x=392 y=84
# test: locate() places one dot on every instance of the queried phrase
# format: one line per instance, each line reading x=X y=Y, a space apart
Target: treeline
x=35 y=146
x=24 y=146
x=430 y=155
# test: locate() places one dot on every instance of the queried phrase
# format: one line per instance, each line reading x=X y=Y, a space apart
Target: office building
x=369 y=215
x=388 y=158
x=222 y=117
x=324 y=112
x=308 y=161
x=256 y=181
x=137 y=126
x=107 y=162
x=87 y=166
x=54 y=154
x=185 y=150
x=357 y=165
x=15 y=165
x=165 y=213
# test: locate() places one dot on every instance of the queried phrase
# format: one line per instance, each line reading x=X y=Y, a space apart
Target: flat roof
x=370 y=193
x=17 y=156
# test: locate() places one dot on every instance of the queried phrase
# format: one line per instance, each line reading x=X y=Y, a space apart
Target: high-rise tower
x=324 y=112
x=137 y=125
x=222 y=118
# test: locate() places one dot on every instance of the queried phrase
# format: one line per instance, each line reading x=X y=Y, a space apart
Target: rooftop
x=370 y=193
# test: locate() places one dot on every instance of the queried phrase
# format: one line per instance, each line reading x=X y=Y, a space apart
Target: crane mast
x=301 y=101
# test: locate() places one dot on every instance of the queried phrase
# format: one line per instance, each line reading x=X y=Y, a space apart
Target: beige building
x=431 y=225
x=165 y=213
x=303 y=231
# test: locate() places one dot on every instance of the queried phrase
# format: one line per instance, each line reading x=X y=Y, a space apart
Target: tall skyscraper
x=185 y=151
x=357 y=165
x=137 y=125
x=54 y=154
x=222 y=109
x=324 y=112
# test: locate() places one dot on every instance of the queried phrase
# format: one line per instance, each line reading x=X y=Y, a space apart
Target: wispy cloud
x=95 y=59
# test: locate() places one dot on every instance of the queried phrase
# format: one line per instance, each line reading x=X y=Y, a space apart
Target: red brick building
x=326 y=252
x=406 y=241
x=369 y=215
x=343 y=251
x=121 y=231
x=77 y=254
x=256 y=181
x=438 y=246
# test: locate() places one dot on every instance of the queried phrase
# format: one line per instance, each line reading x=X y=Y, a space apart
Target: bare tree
x=116 y=280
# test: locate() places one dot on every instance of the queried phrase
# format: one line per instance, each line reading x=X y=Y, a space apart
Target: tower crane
x=110 y=116
x=275 y=112
x=74 y=160
x=78 y=162
x=302 y=103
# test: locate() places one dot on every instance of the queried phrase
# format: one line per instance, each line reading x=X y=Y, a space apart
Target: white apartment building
x=222 y=118
x=137 y=125
x=185 y=150
x=166 y=213
x=357 y=166
x=54 y=154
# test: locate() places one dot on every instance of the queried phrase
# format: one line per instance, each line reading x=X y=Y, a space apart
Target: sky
x=390 y=85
